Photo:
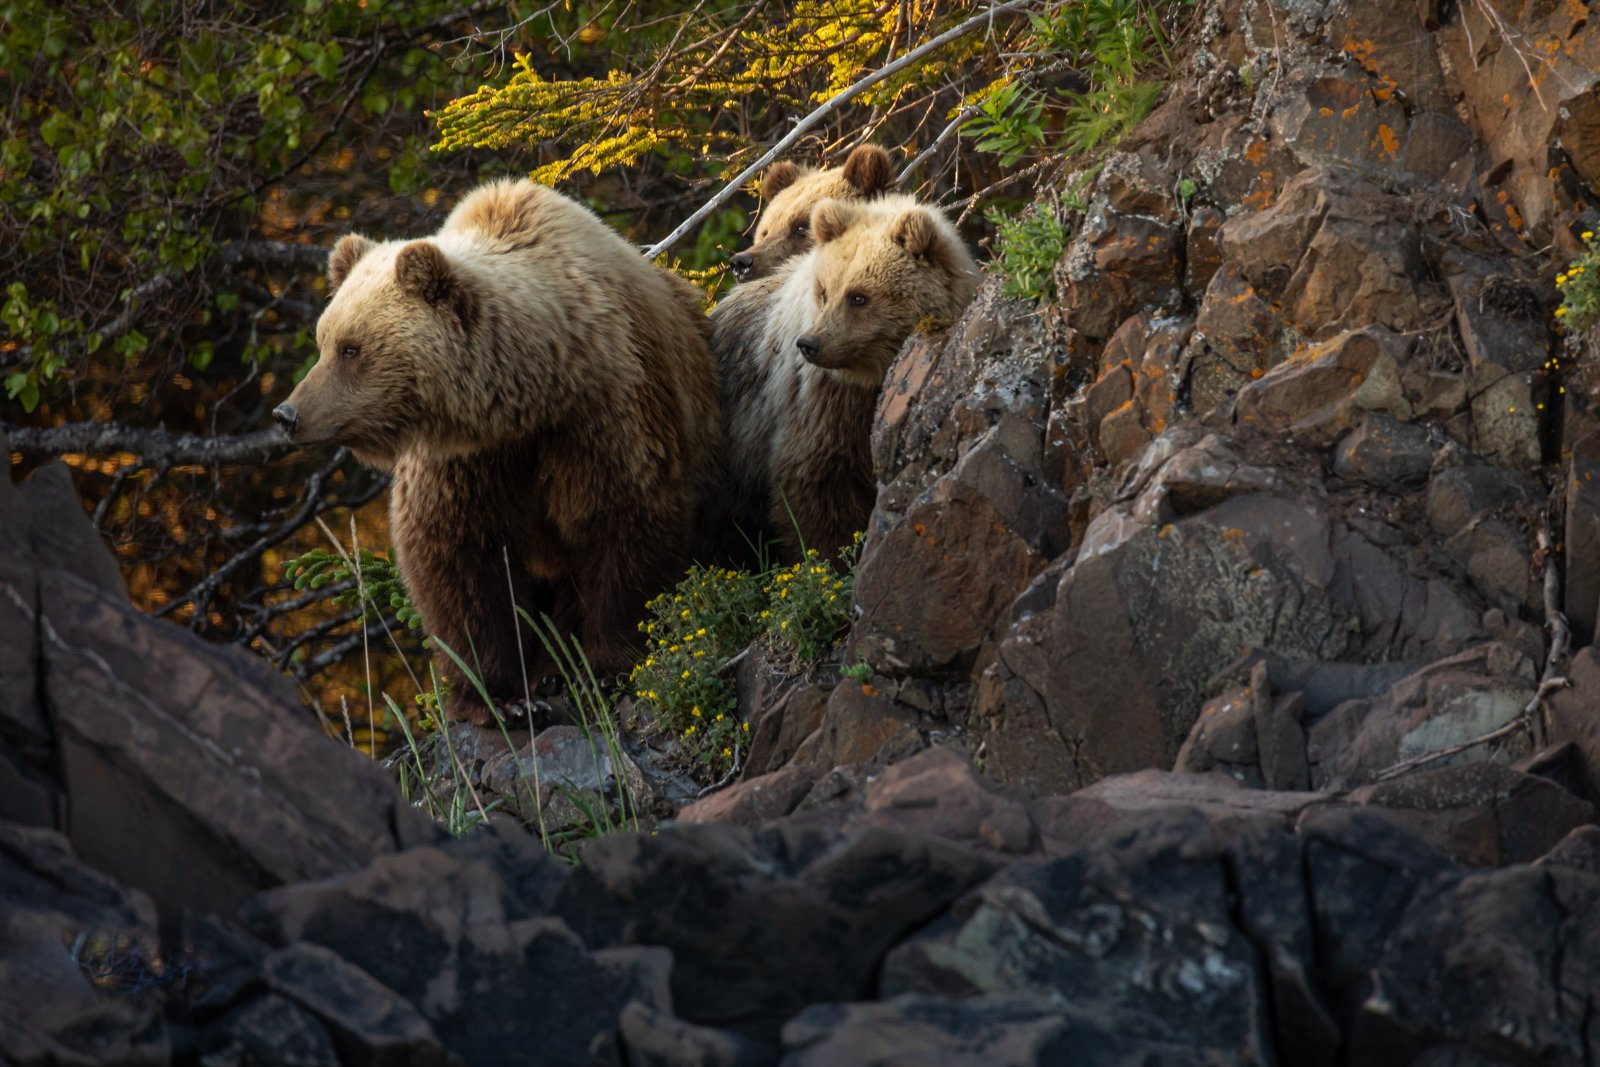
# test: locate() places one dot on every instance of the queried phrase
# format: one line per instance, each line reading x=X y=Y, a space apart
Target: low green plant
x=1100 y=117
x=1580 y=289
x=1122 y=48
x=857 y=672
x=377 y=580
x=690 y=633
x=810 y=605
x=461 y=809
x=1009 y=122
x=693 y=633
x=1029 y=245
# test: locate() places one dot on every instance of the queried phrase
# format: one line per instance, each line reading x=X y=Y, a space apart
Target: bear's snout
x=742 y=263
x=287 y=417
x=810 y=346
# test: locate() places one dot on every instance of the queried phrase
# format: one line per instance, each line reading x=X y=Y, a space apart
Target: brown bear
x=549 y=406
x=791 y=191
x=809 y=347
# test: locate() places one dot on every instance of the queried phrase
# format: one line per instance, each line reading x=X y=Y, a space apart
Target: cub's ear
x=350 y=248
x=831 y=218
x=777 y=178
x=919 y=233
x=422 y=271
x=869 y=169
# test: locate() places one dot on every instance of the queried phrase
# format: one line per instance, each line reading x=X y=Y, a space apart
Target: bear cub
x=812 y=344
x=791 y=191
x=549 y=407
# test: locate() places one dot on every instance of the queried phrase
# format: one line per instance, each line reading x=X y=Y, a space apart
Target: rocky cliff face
x=1282 y=492
x=1298 y=404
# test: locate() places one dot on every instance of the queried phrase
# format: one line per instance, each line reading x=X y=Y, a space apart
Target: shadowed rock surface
x=1211 y=717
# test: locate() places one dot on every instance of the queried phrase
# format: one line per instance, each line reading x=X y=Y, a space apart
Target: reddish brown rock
x=754 y=800
x=1322 y=389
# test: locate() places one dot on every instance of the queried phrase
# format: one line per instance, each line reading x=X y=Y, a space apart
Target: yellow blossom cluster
x=1579 y=286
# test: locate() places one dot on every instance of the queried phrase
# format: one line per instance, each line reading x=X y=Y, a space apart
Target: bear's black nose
x=809 y=345
x=742 y=263
x=286 y=416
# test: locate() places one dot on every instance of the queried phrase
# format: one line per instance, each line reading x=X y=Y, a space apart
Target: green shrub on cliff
x=1580 y=289
x=694 y=632
x=1027 y=249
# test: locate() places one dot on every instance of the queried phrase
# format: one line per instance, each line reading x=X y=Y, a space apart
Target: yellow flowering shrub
x=692 y=632
x=810 y=605
x=1579 y=285
x=689 y=634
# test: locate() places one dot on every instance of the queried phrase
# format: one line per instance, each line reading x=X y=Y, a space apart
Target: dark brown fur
x=549 y=405
x=879 y=269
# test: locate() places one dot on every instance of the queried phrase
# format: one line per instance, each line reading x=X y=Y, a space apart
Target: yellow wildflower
x=695 y=711
x=1560 y=312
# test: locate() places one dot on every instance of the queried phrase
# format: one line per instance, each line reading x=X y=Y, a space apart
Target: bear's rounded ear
x=869 y=169
x=349 y=249
x=777 y=178
x=920 y=233
x=917 y=232
x=829 y=219
x=422 y=271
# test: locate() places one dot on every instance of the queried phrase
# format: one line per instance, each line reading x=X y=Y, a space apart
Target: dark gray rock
x=651 y=1038
x=1384 y=453
x=269 y=1030
x=732 y=905
x=370 y=1023
x=987 y=1031
x=80 y=960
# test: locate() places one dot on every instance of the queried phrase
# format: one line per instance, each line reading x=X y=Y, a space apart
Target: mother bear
x=548 y=404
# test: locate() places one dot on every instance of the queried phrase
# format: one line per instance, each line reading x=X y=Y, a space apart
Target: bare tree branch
x=829 y=106
x=159 y=449
x=313 y=504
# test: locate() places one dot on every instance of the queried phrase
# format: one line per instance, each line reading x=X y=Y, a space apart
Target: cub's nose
x=286 y=416
x=742 y=263
x=809 y=344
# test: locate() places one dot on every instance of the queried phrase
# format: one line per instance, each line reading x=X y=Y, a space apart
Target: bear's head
x=792 y=192
x=396 y=307
x=879 y=269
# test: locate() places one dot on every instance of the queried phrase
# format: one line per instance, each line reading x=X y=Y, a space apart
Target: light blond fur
x=797 y=428
x=791 y=191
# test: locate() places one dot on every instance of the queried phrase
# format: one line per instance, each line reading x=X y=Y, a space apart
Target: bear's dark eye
x=858 y=300
x=801 y=229
x=349 y=351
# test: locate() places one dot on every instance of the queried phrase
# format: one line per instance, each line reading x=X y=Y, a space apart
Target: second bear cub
x=793 y=191
x=811 y=346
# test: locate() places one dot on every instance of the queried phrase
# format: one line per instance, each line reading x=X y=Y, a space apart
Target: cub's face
x=880 y=269
x=792 y=193
x=396 y=308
